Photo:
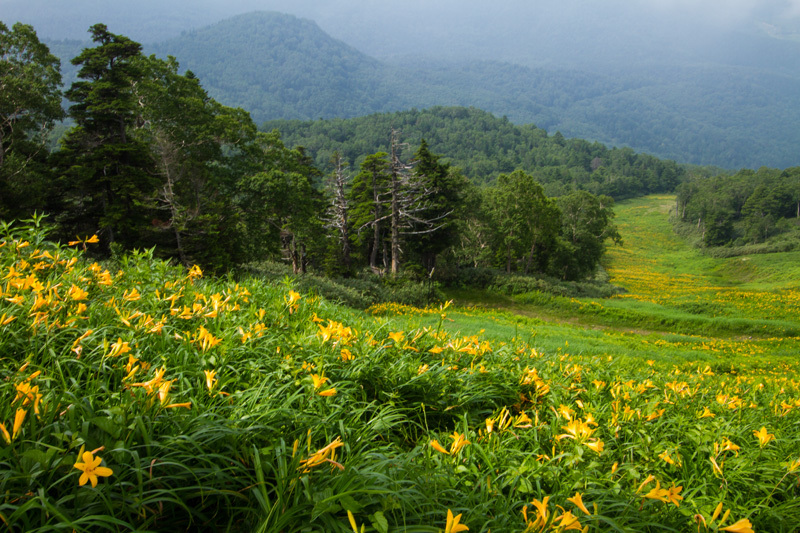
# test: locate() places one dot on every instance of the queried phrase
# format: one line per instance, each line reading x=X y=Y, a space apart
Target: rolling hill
x=282 y=67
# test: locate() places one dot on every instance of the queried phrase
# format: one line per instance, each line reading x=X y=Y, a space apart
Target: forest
x=747 y=212
x=152 y=161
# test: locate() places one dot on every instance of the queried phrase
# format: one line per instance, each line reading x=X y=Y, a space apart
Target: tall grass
x=251 y=406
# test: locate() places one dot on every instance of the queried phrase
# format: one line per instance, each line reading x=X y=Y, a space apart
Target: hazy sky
x=566 y=33
x=68 y=16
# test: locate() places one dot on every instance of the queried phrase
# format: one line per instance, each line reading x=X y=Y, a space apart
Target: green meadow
x=138 y=396
x=678 y=304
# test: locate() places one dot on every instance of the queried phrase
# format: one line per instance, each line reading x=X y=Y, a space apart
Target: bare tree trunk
x=395 y=226
x=341 y=199
x=376 y=238
x=396 y=168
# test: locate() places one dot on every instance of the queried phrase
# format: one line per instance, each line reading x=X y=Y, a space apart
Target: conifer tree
x=107 y=172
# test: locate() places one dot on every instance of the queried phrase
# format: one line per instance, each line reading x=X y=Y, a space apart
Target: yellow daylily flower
x=541 y=514
x=438 y=447
x=665 y=456
x=326 y=454
x=319 y=380
x=657 y=493
x=459 y=441
x=763 y=437
x=578 y=501
x=184 y=405
x=673 y=494
x=353 y=524
x=292 y=298
x=211 y=378
x=19 y=418
x=91 y=469
x=646 y=482
x=741 y=526
x=568 y=521
x=453 y=523
x=706 y=413
x=596 y=446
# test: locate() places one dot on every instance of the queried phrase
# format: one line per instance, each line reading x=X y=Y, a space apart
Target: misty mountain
x=688 y=102
x=279 y=66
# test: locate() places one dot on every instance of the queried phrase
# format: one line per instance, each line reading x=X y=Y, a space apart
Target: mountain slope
x=484 y=146
x=281 y=66
x=277 y=65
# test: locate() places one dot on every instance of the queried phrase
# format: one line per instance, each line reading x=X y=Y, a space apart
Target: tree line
x=746 y=208
x=152 y=161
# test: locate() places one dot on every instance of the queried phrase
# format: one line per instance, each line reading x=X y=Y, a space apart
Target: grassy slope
x=680 y=305
x=223 y=406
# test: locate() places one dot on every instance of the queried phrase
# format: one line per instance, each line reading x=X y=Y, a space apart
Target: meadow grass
x=138 y=396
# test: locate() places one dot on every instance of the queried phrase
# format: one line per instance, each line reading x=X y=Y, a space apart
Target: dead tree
x=337 y=212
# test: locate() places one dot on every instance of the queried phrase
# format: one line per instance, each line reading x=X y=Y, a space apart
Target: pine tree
x=107 y=172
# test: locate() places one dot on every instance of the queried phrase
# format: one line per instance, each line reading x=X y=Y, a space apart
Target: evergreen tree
x=369 y=200
x=448 y=187
x=107 y=172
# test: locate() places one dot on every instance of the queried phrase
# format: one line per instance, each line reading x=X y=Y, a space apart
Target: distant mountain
x=277 y=65
x=281 y=66
x=484 y=146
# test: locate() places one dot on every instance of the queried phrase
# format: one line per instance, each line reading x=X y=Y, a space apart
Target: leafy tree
x=474 y=229
x=586 y=224
x=280 y=203
x=107 y=171
x=526 y=221
x=30 y=104
x=194 y=142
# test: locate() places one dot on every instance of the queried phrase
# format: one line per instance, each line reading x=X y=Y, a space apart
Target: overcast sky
x=60 y=15
x=533 y=32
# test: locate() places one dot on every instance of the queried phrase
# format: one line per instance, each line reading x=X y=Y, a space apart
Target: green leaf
x=108 y=425
x=379 y=522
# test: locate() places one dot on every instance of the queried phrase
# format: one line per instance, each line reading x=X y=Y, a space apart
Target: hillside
x=484 y=146
x=139 y=396
x=279 y=66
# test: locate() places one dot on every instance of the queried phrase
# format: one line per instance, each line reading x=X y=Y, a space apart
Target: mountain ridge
x=279 y=66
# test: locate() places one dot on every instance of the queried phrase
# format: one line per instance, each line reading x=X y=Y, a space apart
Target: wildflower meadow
x=136 y=395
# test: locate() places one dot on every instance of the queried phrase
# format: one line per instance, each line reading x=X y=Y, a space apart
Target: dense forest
x=485 y=146
x=153 y=161
x=281 y=67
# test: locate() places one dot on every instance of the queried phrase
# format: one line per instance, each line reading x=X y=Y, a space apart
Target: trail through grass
x=679 y=304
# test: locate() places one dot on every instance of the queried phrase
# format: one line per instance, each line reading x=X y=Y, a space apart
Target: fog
x=564 y=33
